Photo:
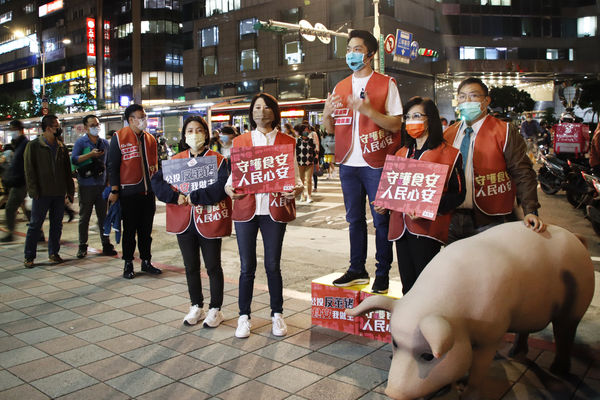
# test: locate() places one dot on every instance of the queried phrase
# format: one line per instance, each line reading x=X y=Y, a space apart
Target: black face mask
x=58 y=132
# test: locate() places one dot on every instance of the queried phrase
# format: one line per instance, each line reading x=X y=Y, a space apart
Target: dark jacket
x=47 y=175
x=15 y=174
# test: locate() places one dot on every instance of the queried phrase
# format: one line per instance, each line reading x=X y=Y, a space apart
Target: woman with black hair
x=418 y=240
x=267 y=212
x=200 y=220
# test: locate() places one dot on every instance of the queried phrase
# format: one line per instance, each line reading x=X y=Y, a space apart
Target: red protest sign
x=409 y=185
x=263 y=169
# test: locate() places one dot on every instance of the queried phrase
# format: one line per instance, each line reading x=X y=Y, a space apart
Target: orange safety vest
x=211 y=222
x=132 y=170
x=438 y=228
x=375 y=141
x=493 y=190
x=280 y=208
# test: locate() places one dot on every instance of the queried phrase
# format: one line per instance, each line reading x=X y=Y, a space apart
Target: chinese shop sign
x=189 y=174
x=263 y=169
x=409 y=185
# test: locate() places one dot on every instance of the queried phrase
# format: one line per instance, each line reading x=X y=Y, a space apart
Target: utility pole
x=376 y=31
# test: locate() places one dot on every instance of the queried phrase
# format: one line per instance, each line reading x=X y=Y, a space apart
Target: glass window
x=551 y=54
x=247 y=87
x=586 y=26
x=386 y=7
x=339 y=46
x=292 y=16
x=292 y=53
x=221 y=6
x=210 y=36
x=247 y=27
x=210 y=65
x=10 y=77
x=29 y=8
x=341 y=11
x=249 y=60
x=571 y=55
x=291 y=88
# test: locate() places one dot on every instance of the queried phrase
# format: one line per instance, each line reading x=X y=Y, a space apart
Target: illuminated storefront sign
x=7 y=16
x=292 y=114
x=50 y=7
x=67 y=76
x=220 y=118
x=91 y=37
x=106 y=39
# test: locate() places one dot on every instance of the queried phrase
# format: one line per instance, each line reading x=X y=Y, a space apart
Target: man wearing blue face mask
x=89 y=156
x=226 y=138
x=365 y=112
x=497 y=168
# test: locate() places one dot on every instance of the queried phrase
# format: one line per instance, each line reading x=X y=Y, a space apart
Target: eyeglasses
x=470 y=96
x=414 y=116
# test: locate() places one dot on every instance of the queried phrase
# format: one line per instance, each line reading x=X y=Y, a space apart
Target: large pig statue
x=508 y=278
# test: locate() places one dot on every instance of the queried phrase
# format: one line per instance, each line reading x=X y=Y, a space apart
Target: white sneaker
x=279 y=326
x=213 y=318
x=309 y=200
x=195 y=315
x=243 y=328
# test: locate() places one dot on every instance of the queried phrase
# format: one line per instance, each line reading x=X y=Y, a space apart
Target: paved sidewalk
x=79 y=331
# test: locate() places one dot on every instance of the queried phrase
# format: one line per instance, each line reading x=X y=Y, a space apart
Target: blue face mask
x=355 y=60
x=224 y=138
x=470 y=110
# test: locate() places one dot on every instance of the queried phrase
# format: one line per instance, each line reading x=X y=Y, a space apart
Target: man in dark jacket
x=48 y=176
x=14 y=178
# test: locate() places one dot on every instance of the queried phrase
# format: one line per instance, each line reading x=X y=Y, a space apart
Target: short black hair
x=16 y=124
x=477 y=81
x=368 y=38
x=87 y=118
x=434 y=124
x=182 y=144
x=443 y=120
x=131 y=109
x=47 y=120
x=271 y=102
x=228 y=130
x=111 y=133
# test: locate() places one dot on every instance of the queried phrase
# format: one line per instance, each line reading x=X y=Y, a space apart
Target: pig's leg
x=482 y=358
x=520 y=348
x=564 y=334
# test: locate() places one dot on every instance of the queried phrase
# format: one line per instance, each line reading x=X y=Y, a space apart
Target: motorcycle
x=593 y=209
x=552 y=175
x=579 y=193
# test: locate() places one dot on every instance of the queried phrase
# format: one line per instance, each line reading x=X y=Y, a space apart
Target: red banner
x=409 y=185
x=263 y=169
x=375 y=324
x=329 y=304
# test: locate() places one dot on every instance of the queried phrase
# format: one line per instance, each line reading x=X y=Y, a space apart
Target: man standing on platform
x=132 y=160
x=365 y=111
x=89 y=156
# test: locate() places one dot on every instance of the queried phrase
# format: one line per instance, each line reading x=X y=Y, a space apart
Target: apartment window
x=210 y=65
x=292 y=53
x=482 y=53
x=551 y=54
x=124 y=30
x=586 y=26
x=1 y=79
x=247 y=87
x=10 y=77
x=170 y=4
x=339 y=46
x=292 y=87
x=249 y=60
x=29 y=8
x=210 y=36
x=247 y=27
x=386 y=7
x=23 y=74
x=571 y=55
x=496 y=2
x=221 y=6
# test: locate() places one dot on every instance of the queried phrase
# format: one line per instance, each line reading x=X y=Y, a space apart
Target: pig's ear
x=371 y=303
x=438 y=333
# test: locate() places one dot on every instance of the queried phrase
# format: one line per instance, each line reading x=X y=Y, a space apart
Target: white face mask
x=195 y=141
x=14 y=135
x=94 y=130
x=142 y=124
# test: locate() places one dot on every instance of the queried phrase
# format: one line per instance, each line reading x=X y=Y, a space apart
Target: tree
x=86 y=101
x=53 y=93
x=590 y=96
x=548 y=116
x=509 y=98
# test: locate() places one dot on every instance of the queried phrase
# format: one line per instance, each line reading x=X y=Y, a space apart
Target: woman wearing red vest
x=267 y=212
x=200 y=220
x=418 y=240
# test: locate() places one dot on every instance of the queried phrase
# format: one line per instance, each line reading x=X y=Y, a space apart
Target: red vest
x=132 y=171
x=375 y=142
x=211 y=222
x=280 y=208
x=493 y=190
x=437 y=229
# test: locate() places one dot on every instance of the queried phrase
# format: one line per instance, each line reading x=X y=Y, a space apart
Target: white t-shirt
x=393 y=106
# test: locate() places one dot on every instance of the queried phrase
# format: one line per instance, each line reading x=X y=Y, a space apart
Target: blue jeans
x=39 y=209
x=357 y=184
x=272 y=235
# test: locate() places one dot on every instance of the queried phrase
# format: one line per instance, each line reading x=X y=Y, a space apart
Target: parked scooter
x=579 y=193
x=552 y=175
x=593 y=209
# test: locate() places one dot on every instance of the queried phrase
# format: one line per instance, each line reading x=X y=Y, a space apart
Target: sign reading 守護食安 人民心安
x=263 y=169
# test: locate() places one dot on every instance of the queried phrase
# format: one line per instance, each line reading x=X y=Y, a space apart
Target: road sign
x=403 y=41
x=414 y=47
x=389 y=43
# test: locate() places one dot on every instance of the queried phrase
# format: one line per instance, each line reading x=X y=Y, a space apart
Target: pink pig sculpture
x=506 y=279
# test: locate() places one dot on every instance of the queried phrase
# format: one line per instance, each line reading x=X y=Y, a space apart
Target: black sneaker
x=149 y=268
x=352 y=278
x=108 y=250
x=128 y=270
x=82 y=252
x=381 y=284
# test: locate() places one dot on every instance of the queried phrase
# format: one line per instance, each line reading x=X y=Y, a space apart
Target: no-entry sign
x=389 y=44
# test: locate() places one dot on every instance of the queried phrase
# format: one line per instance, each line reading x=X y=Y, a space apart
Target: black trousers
x=91 y=197
x=190 y=244
x=414 y=253
x=137 y=212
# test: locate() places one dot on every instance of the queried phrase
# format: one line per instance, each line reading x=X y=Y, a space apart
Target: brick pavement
x=80 y=331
